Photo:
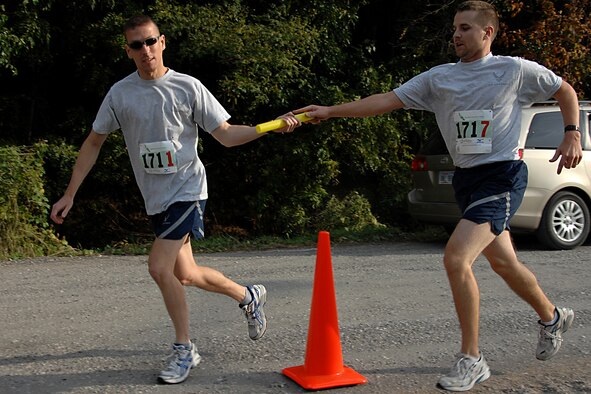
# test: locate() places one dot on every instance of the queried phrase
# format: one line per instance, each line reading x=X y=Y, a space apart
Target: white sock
x=553 y=320
x=247 y=297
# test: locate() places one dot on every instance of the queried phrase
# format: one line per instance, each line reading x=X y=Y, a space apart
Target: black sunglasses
x=140 y=44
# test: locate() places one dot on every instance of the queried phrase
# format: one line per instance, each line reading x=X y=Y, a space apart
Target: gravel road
x=98 y=325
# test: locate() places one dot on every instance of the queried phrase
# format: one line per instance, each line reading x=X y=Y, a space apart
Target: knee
x=454 y=266
x=155 y=273
x=503 y=267
x=159 y=274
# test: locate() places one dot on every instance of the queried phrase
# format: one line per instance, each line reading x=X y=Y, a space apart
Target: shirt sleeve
x=106 y=120
x=538 y=83
x=208 y=112
x=416 y=92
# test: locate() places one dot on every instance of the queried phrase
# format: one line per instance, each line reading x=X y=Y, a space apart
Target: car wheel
x=565 y=222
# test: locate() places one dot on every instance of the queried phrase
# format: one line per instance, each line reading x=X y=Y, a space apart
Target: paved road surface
x=98 y=324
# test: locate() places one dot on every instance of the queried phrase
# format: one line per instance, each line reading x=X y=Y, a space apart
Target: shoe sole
x=180 y=379
x=568 y=321
x=480 y=379
x=262 y=302
x=194 y=363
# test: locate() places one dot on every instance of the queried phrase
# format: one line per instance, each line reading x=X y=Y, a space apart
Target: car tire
x=565 y=222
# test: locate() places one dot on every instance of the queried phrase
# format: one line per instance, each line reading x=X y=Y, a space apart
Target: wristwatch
x=571 y=127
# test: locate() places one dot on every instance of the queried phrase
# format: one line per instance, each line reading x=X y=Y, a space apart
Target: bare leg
x=172 y=266
x=206 y=278
x=503 y=260
x=465 y=244
x=161 y=264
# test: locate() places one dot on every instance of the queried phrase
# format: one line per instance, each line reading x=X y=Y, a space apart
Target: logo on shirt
x=499 y=76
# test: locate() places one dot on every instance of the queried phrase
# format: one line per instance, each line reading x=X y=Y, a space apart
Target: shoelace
x=250 y=309
x=173 y=355
x=252 y=313
x=548 y=334
x=463 y=365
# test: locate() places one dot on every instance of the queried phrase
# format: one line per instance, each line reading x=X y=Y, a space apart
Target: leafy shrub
x=24 y=229
x=350 y=213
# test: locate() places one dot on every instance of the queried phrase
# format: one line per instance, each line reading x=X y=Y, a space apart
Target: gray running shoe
x=180 y=363
x=254 y=312
x=465 y=373
x=550 y=337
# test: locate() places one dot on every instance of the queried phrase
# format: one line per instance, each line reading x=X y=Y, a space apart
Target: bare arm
x=569 y=151
x=376 y=104
x=233 y=135
x=86 y=158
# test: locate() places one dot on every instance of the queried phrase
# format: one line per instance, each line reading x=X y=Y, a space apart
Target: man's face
x=147 y=58
x=471 y=39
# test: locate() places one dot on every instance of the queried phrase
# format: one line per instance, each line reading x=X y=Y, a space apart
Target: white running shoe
x=550 y=337
x=254 y=312
x=180 y=363
x=465 y=373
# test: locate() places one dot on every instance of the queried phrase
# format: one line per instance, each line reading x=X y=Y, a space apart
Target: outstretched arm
x=86 y=158
x=376 y=104
x=569 y=151
x=232 y=135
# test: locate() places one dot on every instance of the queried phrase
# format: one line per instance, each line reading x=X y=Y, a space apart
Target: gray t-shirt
x=497 y=85
x=160 y=120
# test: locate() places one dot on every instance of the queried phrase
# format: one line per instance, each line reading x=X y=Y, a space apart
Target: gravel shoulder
x=98 y=325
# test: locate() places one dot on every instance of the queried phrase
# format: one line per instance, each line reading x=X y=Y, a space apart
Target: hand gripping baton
x=279 y=123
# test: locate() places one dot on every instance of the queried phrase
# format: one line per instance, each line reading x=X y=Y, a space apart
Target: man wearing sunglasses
x=159 y=112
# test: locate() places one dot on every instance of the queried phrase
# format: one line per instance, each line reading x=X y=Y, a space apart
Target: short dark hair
x=137 y=20
x=487 y=13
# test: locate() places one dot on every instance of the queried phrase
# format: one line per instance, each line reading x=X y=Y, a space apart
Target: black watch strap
x=571 y=127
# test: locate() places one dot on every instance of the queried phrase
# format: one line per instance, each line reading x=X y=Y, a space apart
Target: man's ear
x=489 y=32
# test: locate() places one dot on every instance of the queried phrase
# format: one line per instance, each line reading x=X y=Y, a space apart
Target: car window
x=545 y=131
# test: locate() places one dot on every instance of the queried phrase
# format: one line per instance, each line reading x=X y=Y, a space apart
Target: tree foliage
x=556 y=34
x=58 y=59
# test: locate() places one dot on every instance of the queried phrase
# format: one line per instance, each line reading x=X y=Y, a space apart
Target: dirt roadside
x=98 y=325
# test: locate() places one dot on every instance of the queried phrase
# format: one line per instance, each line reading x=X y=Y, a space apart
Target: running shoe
x=550 y=337
x=465 y=373
x=254 y=312
x=180 y=363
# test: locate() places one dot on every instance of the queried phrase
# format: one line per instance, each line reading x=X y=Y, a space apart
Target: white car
x=555 y=207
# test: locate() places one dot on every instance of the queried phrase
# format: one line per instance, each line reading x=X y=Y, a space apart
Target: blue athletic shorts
x=180 y=219
x=491 y=192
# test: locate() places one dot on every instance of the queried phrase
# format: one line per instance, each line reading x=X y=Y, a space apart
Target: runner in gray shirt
x=486 y=92
x=159 y=112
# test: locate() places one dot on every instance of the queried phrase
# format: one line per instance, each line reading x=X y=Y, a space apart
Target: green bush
x=350 y=213
x=24 y=208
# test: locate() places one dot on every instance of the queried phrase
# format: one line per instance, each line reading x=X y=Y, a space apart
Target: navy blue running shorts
x=491 y=192
x=180 y=219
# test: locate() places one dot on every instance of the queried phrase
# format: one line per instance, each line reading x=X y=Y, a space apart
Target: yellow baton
x=279 y=123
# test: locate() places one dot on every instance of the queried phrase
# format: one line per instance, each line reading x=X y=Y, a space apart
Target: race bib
x=474 y=131
x=158 y=157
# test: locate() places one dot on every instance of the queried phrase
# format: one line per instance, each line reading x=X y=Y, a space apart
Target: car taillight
x=520 y=152
x=419 y=163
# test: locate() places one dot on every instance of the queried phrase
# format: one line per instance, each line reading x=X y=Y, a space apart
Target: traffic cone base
x=348 y=377
x=323 y=365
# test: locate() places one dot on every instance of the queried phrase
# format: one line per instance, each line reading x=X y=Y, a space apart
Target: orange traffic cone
x=323 y=367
